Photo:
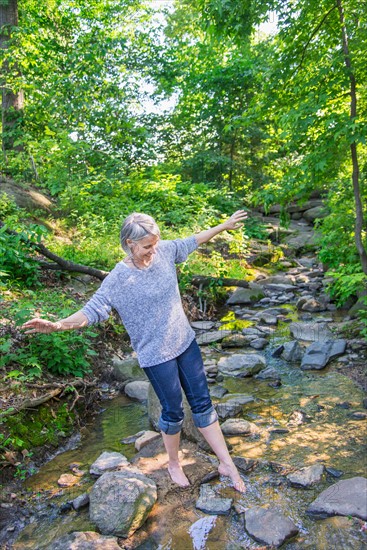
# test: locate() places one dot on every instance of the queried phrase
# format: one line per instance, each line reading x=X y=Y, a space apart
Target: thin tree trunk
x=353 y=146
x=12 y=102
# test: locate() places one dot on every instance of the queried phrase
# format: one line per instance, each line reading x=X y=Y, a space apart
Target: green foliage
x=348 y=281
x=65 y=353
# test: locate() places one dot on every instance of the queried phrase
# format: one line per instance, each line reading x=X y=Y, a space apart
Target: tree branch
x=314 y=32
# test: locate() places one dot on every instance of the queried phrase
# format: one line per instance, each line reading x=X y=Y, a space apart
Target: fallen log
x=58 y=262
x=203 y=281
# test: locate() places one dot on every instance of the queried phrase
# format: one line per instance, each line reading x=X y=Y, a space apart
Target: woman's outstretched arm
x=74 y=321
x=234 y=222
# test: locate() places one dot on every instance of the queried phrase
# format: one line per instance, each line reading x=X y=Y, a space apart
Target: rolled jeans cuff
x=204 y=419
x=170 y=428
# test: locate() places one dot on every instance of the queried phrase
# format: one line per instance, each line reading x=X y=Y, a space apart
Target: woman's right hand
x=40 y=325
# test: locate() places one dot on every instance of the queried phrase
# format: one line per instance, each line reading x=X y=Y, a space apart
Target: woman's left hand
x=234 y=222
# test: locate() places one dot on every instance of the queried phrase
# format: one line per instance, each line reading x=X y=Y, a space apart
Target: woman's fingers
x=38 y=325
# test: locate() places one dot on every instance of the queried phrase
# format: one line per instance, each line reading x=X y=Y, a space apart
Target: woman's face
x=144 y=249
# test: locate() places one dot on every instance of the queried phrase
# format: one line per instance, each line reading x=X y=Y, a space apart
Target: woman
x=143 y=289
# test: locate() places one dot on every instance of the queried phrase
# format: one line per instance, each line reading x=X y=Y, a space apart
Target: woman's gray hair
x=137 y=226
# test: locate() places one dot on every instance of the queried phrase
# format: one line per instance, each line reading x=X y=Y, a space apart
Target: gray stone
x=310 y=332
x=85 y=540
x=278 y=287
x=210 y=503
x=247 y=295
x=268 y=374
x=318 y=354
x=218 y=392
x=259 y=343
x=232 y=405
x=306 y=261
x=245 y=464
x=138 y=389
x=302 y=240
x=237 y=341
x=121 y=501
x=211 y=337
x=315 y=213
x=313 y=306
x=278 y=279
x=147 y=437
x=292 y=351
x=306 y=477
x=267 y=318
x=236 y=426
x=108 y=461
x=345 y=498
x=81 y=501
x=127 y=369
x=268 y=526
x=253 y=332
x=241 y=365
x=202 y=325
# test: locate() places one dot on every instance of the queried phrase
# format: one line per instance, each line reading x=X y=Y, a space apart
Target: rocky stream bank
x=277 y=362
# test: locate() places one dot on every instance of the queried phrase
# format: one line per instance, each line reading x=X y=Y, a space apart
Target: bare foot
x=177 y=475
x=231 y=471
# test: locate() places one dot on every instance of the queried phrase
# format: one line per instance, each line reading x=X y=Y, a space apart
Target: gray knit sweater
x=149 y=304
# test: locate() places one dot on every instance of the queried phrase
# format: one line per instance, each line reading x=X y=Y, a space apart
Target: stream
x=308 y=419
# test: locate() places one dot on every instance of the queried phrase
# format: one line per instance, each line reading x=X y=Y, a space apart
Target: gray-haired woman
x=143 y=289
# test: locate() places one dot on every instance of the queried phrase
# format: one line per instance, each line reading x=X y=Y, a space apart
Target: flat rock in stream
x=306 y=477
x=212 y=337
x=84 y=540
x=311 y=332
x=318 y=354
x=232 y=405
x=345 y=498
x=268 y=526
x=210 y=503
x=237 y=426
x=241 y=365
x=268 y=374
x=108 y=461
x=119 y=502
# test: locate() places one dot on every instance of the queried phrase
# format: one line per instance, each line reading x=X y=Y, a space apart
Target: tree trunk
x=353 y=146
x=11 y=102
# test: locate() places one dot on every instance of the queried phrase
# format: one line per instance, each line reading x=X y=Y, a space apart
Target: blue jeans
x=186 y=370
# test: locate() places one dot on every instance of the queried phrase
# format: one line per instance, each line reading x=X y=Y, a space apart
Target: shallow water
x=327 y=434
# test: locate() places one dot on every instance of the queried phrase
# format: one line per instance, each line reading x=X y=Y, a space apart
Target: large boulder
x=315 y=213
x=318 y=354
x=189 y=430
x=137 y=389
x=84 y=540
x=247 y=295
x=241 y=365
x=345 y=498
x=119 y=502
x=311 y=332
x=268 y=526
x=127 y=369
